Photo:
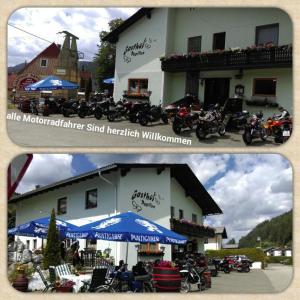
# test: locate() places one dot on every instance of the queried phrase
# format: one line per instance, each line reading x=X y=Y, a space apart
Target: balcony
x=134 y=95
x=250 y=58
x=192 y=229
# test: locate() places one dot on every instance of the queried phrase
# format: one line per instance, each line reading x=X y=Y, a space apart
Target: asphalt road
x=276 y=278
x=28 y=133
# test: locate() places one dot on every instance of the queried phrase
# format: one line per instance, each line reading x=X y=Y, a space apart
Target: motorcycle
x=191 y=274
x=222 y=265
x=152 y=114
x=70 y=107
x=88 y=109
x=280 y=129
x=242 y=266
x=103 y=107
x=211 y=122
x=184 y=119
x=237 y=120
x=135 y=109
x=254 y=129
x=118 y=110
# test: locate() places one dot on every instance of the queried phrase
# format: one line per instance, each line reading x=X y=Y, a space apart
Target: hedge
x=252 y=253
x=280 y=259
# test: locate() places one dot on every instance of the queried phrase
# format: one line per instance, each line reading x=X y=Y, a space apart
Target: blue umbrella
x=128 y=227
x=109 y=80
x=51 y=83
x=39 y=228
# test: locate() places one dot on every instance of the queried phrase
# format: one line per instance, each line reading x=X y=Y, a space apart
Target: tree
x=106 y=56
x=52 y=251
x=231 y=241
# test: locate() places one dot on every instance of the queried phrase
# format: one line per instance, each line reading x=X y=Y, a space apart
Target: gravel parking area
x=86 y=133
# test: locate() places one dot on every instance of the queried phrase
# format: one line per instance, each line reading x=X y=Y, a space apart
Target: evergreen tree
x=106 y=56
x=52 y=251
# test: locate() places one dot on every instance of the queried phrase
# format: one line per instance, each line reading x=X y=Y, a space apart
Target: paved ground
x=30 y=134
x=274 y=279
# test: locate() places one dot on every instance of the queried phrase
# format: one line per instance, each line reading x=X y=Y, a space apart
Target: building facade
x=215 y=243
x=169 y=195
x=212 y=53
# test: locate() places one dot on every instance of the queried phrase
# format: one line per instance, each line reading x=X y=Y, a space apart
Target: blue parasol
x=109 y=80
x=51 y=83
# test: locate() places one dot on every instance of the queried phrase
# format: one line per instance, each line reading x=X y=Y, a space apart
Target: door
x=192 y=83
x=216 y=91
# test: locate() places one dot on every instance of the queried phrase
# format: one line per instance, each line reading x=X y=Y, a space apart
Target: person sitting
x=121 y=267
x=284 y=114
x=139 y=269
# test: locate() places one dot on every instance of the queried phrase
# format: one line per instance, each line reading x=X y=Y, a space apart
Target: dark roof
x=182 y=172
x=113 y=36
x=222 y=231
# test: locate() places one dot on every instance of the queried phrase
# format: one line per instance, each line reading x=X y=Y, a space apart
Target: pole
x=126 y=252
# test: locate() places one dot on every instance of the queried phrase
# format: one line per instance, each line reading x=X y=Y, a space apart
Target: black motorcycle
x=117 y=110
x=255 y=129
x=223 y=265
x=70 y=107
x=152 y=114
x=210 y=123
x=237 y=120
x=134 y=110
x=88 y=109
x=103 y=107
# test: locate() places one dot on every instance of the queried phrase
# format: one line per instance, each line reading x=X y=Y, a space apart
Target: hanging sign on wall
x=140 y=200
x=137 y=49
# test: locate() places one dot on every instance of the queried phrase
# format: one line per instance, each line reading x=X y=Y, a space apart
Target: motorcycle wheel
x=247 y=269
x=165 y=119
x=247 y=138
x=110 y=116
x=46 y=114
x=81 y=114
x=226 y=271
x=200 y=133
x=221 y=130
x=143 y=121
x=176 y=127
x=65 y=113
x=98 y=114
x=263 y=135
x=133 y=119
x=185 y=287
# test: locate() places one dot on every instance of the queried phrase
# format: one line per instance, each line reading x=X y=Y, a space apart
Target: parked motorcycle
x=184 y=118
x=70 y=107
x=254 y=129
x=237 y=120
x=134 y=110
x=211 y=122
x=242 y=266
x=118 y=110
x=88 y=109
x=191 y=274
x=280 y=129
x=103 y=107
x=152 y=114
x=222 y=265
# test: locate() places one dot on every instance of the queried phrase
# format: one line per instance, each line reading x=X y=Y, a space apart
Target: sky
x=85 y=23
x=249 y=188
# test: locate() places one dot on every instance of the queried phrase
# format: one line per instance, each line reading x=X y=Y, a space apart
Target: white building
x=163 y=193
x=215 y=243
x=157 y=50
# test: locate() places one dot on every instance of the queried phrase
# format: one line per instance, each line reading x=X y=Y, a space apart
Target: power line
x=39 y=36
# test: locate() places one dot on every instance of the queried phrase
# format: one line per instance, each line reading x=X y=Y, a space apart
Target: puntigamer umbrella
x=109 y=80
x=128 y=227
x=51 y=83
x=39 y=228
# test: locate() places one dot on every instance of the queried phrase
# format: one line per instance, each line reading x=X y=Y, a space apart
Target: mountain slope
x=275 y=232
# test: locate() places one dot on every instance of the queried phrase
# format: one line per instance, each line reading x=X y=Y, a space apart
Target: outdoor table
x=78 y=280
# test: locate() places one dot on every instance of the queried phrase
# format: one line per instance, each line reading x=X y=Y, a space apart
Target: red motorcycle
x=280 y=129
x=184 y=118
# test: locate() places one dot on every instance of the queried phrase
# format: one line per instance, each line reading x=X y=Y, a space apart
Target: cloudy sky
x=86 y=23
x=248 y=188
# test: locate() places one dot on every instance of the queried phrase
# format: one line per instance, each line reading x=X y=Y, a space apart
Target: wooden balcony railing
x=184 y=227
x=273 y=57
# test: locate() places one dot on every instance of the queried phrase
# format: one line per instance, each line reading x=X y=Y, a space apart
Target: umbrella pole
x=126 y=252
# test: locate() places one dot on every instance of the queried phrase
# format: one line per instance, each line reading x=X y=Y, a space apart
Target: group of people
x=74 y=251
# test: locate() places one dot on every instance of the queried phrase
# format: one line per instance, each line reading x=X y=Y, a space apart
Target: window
x=91 y=199
x=43 y=62
x=34 y=243
x=194 y=44
x=267 y=34
x=181 y=216
x=172 y=212
x=219 y=41
x=264 y=87
x=62 y=206
x=194 y=218
x=137 y=86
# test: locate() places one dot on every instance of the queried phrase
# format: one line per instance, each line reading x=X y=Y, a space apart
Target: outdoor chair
x=63 y=269
x=98 y=280
x=48 y=285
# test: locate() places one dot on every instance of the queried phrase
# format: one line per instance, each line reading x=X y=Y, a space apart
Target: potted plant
x=65 y=286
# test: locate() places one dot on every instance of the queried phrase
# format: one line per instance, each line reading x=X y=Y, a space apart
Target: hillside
x=275 y=232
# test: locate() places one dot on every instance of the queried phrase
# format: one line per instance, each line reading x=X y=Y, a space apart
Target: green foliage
x=231 y=241
x=252 y=253
x=279 y=260
x=276 y=232
x=52 y=250
x=106 y=56
x=20 y=268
